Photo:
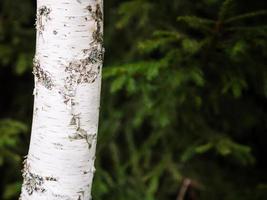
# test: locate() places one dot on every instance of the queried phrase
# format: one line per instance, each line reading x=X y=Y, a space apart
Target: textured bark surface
x=67 y=70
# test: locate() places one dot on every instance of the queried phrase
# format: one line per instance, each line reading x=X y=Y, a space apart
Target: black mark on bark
x=81 y=195
x=81 y=133
x=62 y=197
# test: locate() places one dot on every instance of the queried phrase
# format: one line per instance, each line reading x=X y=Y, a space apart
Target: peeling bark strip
x=67 y=70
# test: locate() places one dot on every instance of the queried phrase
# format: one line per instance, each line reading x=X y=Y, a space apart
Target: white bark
x=67 y=69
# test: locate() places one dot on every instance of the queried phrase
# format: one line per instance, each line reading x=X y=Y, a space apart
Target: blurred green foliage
x=184 y=97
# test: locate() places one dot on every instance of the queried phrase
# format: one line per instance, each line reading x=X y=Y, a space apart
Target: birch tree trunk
x=67 y=69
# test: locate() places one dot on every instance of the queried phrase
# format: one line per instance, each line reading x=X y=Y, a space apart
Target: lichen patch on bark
x=42 y=16
x=97 y=16
x=80 y=71
x=94 y=54
x=43 y=77
x=33 y=182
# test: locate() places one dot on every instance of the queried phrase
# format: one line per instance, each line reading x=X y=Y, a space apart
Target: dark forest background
x=184 y=99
